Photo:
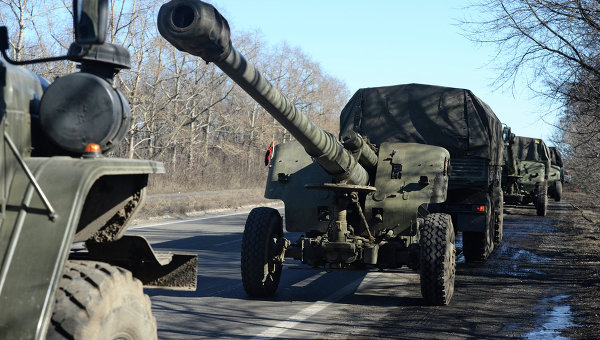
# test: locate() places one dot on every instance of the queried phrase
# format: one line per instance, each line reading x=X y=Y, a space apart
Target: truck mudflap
x=155 y=270
x=471 y=222
x=35 y=247
x=466 y=217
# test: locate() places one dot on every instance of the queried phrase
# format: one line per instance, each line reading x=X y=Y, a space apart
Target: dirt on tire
x=98 y=301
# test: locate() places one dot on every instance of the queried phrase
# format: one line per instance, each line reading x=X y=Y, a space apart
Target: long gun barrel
x=198 y=28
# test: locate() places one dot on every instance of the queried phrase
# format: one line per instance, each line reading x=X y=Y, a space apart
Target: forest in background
x=186 y=113
x=211 y=135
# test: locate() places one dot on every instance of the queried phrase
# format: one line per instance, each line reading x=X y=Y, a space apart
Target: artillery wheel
x=261 y=247
x=99 y=301
x=557 y=191
x=541 y=200
x=437 y=259
x=499 y=217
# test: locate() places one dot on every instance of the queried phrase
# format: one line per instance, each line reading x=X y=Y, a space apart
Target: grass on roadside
x=197 y=205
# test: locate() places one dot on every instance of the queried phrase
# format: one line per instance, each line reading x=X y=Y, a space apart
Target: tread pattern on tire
x=541 y=200
x=92 y=295
x=437 y=259
x=499 y=223
x=260 y=226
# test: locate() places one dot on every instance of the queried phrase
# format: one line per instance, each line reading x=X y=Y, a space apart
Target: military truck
x=377 y=196
x=556 y=178
x=67 y=269
x=458 y=121
x=526 y=171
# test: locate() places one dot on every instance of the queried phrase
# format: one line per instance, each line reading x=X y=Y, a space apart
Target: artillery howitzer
x=59 y=190
x=526 y=171
x=358 y=206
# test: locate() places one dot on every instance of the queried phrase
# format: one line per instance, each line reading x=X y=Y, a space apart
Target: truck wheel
x=99 y=301
x=541 y=200
x=437 y=259
x=262 y=258
x=557 y=191
x=499 y=218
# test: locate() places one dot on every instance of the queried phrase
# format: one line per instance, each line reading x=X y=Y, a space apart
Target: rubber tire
x=541 y=200
x=499 y=218
x=557 y=191
x=260 y=272
x=437 y=259
x=98 y=301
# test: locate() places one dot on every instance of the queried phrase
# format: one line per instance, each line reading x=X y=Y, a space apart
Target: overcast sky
x=389 y=42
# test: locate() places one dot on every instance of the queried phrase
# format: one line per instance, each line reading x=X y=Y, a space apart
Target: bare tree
x=19 y=16
x=186 y=113
x=553 y=46
x=549 y=42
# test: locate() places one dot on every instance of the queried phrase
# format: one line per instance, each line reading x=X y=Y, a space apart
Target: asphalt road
x=197 y=193
x=516 y=294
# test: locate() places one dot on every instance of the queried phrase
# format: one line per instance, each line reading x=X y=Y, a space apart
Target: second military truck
x=526 y=171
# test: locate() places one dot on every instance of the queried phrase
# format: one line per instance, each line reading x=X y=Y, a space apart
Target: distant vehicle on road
x=566 y=174
x=526 y=171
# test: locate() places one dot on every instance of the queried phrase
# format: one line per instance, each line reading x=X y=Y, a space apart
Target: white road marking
x=309 y=280
x=313 y=309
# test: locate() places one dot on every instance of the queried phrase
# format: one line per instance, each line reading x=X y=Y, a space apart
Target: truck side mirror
x=89 y=21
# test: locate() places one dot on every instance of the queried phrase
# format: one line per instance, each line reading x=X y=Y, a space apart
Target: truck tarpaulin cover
x=452 y=118
x=530 y=149
x=555 y=156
